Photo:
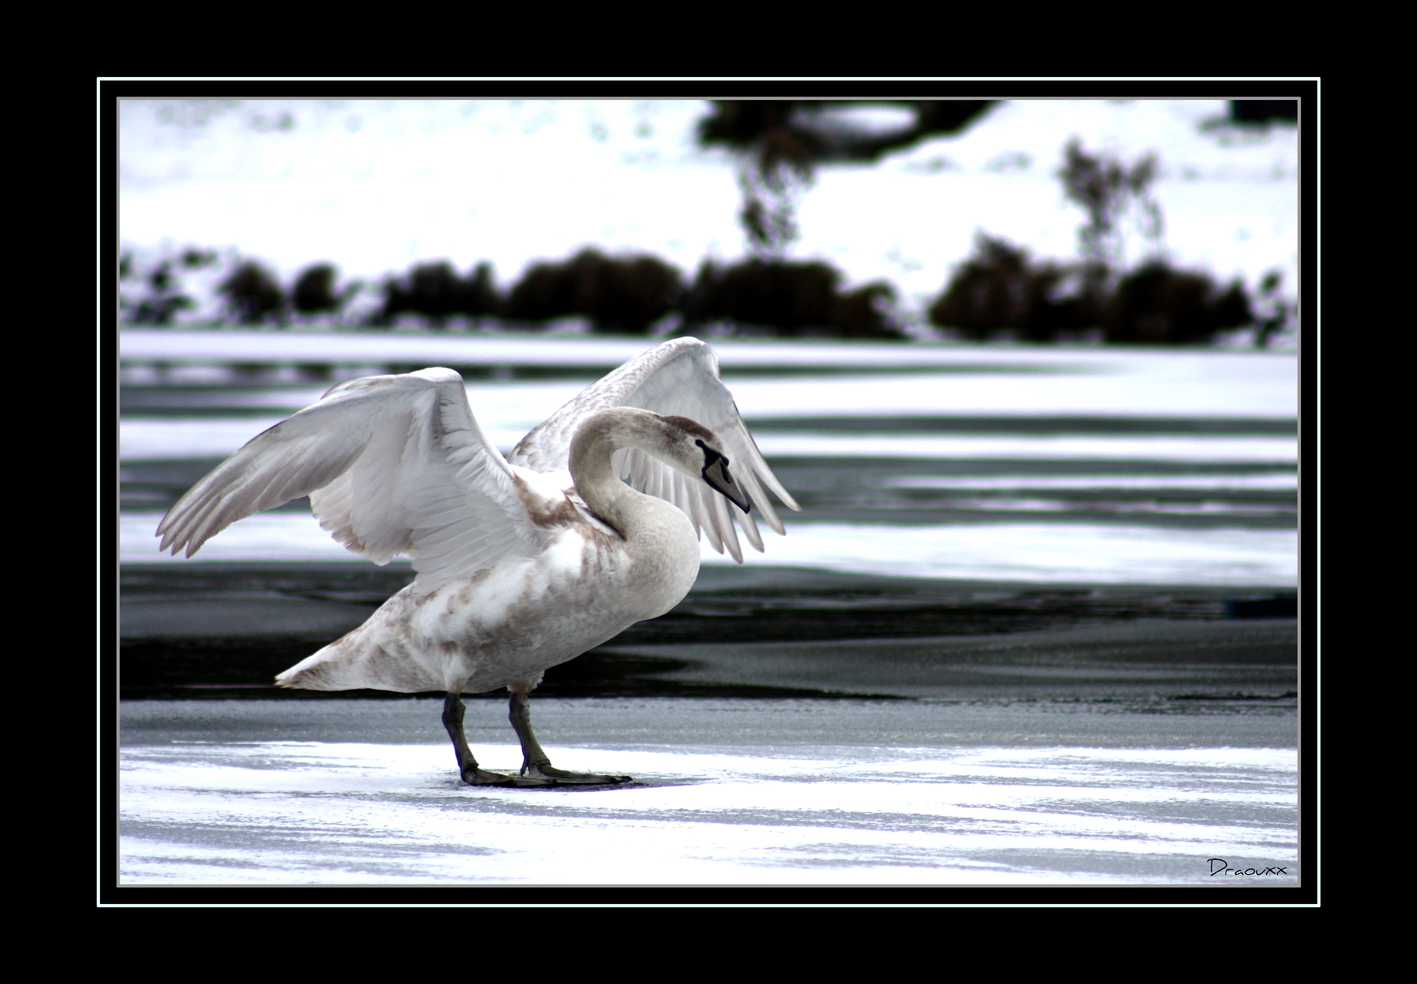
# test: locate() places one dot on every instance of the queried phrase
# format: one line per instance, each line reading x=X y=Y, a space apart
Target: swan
x=523 y=562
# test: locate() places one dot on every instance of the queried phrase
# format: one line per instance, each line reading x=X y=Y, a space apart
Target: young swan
x=522 y=564
x=624 y=558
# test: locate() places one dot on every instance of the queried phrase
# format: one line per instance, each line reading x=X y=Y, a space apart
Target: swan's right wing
x=678 y=378
x=393 y=465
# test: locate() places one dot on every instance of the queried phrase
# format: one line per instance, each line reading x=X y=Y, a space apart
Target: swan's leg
x=453 y=711
x=535 y=762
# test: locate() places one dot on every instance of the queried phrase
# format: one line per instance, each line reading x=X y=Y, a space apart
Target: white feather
x=678 y=378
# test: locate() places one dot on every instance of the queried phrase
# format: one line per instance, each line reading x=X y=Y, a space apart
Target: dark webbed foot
x=475 y=776
x=537 y=770
x=549 y=773
x=536 y=764
x=471 y=773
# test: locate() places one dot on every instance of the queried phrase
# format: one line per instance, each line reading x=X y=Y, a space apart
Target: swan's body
x=523 y=562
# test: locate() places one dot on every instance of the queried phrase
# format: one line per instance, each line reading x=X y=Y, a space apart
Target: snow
x=727 y=793
x=377 y=186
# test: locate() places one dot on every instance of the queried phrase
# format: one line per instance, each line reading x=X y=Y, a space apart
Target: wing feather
x=677 y=378
x=393 y=465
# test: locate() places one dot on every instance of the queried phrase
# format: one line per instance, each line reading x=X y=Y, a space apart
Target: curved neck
x=591 y=449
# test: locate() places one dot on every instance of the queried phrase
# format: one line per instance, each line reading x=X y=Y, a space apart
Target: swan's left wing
x=678 y=378
x=393 y=465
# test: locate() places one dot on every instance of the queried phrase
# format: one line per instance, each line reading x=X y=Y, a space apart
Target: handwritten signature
x=1219 y=866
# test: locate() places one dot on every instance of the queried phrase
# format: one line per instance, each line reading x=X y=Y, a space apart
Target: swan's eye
x=716 y=475
x=711 y=456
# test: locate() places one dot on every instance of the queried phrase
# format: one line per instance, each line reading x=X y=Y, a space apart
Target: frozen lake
x=727 y=792
x=1035 y=625
x=1045 y=464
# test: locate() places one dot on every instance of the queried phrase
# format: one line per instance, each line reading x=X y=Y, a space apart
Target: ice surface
x=1022 y=383
x=907 y=794
x=1004 y=551
x=733 y=792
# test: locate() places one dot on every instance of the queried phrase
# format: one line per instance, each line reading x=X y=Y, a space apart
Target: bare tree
x=1108 y=190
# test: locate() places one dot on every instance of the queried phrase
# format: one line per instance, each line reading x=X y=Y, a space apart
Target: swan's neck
x=591 y=449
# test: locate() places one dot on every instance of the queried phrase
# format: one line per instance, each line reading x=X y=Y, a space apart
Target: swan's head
x=685 y=445
x=706 y=455
x=715 y=473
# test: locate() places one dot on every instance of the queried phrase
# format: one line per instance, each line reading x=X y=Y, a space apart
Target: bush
x=435 y=291
x=617 y=295
x=862 y=313
x=314 y=290
x=999 y=288
x=1276 y=312
x=253 y=294
x=1159 y=304
x=161 y=305
x=770 y=293
x=195 y=259
x=791 y=298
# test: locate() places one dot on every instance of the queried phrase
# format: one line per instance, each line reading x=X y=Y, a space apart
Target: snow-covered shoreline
x=376 y=187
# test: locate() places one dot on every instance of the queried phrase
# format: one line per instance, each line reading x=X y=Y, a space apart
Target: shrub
x=616 y=294
x=314 y=290
x=164 y=300
x=862 y=313
x=195 y=259
x=999 y=288
x=791 y=298
x=1159 y=304
x=1275 y=313
x=435 y=291
x=252 y=293
x=771 y=293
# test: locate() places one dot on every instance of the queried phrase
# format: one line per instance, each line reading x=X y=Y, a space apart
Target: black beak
x=716 y=475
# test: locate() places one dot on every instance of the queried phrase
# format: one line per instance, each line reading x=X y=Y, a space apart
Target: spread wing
x=393 y=465
x=678 y=378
